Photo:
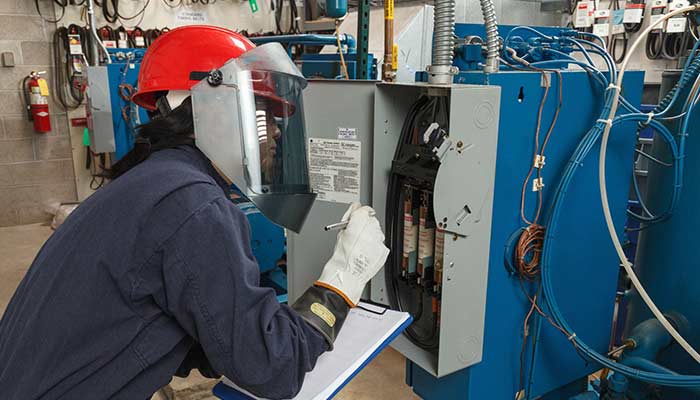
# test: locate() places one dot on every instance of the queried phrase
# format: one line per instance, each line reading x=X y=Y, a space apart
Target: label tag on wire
x=602 y=24
x=658 y=9
x=676 y=24
x=581 y=17
x=74 y=46
x=634 y=12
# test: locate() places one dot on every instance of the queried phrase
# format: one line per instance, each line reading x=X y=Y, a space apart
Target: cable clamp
x=650 y=115
x=539 y=161
x=607 y=122
x=616 y=87
x=572 y=337
x=537 y=184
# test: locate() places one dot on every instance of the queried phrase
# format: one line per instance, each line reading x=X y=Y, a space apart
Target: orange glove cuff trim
x=337 y=291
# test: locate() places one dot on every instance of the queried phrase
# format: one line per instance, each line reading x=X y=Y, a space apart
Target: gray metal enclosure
x=465 y=182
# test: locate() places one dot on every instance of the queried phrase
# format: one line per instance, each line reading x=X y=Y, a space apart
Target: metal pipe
x=309 y=40
x=96 y=38
x=388 y=72
x=492 y=41
x=441 y=70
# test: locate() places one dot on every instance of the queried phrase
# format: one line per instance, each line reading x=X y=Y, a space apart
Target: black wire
x=617 y=56
x=68 y=88
x=138 y=14
x=394 y=226
x=60 y=3
x=110 y=16
x=136 y=31
x=654 y=44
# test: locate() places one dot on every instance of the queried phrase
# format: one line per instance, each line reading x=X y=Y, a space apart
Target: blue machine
x=666 y=258
x=123 y=75
x=584 y=280
x=324 y=65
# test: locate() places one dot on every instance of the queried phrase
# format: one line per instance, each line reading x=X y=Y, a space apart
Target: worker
x=153 y=275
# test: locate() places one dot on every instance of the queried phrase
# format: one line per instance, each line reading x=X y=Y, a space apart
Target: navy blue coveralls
x=144 y=275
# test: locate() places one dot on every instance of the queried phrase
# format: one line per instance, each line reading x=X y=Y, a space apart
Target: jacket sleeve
x=212 y=289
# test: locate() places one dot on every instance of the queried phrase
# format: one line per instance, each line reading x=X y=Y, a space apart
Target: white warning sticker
x=334 y=169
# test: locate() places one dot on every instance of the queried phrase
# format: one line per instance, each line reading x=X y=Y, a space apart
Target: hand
x=358 y=255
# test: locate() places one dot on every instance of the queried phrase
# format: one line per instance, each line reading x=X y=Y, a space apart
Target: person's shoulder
x=183 y=166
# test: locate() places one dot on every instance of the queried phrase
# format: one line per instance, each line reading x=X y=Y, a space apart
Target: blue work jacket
x=151 y=274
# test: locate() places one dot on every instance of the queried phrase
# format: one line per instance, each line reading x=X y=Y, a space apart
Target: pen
x=336 y=226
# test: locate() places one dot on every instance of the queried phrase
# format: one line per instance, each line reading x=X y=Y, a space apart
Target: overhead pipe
x=309 y=40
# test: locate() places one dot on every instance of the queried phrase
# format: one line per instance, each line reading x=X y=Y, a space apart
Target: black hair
x=162 y=132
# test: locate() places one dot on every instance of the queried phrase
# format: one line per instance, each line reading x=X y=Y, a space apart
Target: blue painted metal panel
x=328 y=65
x=667 y=252
x=124 y=72
x=267 y=239
x=585 y=264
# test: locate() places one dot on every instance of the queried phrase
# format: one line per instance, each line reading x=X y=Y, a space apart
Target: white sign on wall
x=189 y=17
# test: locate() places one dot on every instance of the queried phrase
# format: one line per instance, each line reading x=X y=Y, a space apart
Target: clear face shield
x=249 y=121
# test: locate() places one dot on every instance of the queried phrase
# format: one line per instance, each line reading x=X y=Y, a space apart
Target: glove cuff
x=339 y=292
x=323 y=309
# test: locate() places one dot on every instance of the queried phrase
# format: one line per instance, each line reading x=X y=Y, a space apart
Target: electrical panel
x=434 y=198
x=444 y=187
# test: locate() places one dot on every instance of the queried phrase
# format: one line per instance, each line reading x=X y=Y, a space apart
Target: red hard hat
x=169 y=61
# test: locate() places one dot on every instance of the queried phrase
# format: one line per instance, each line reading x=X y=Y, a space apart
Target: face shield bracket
x=214 y=77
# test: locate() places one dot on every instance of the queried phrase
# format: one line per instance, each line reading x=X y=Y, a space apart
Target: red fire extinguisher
x=36 y=97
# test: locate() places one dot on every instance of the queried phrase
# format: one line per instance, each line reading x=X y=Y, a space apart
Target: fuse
x=410 y=235
x=439 y=259
x=426 y=240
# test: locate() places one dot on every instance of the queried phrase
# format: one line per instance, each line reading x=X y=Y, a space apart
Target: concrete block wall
x=35 y=169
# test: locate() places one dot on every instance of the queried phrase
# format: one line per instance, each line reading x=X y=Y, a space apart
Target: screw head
x=215 y=78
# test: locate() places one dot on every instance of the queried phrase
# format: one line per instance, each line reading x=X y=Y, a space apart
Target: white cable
x=604 y=195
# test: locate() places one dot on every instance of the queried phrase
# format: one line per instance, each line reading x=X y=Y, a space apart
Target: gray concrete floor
x=382 y=379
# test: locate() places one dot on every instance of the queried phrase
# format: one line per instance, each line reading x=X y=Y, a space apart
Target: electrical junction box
x=99 y=110
x=351 y=147
x=462 y=206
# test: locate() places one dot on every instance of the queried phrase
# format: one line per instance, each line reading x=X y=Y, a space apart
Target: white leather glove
x=358 y=255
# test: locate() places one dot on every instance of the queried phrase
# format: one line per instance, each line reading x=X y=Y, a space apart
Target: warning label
x=334 y=169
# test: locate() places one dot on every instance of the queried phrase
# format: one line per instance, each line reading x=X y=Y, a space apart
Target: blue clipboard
x=225 y=392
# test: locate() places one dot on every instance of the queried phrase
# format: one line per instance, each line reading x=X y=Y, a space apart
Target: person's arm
x=212 y=289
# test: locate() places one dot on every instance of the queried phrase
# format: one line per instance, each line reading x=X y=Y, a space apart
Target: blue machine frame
x=585 y=281
x=324 y=65
x=124 y=70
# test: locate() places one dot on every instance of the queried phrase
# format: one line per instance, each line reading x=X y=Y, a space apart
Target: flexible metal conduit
x=441 y=71
x=492 y=42
x=443 y=32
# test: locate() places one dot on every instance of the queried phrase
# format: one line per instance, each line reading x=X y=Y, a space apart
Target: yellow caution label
x=389 y=9
x=43 y=87
x=395 y=57
x=324 y=313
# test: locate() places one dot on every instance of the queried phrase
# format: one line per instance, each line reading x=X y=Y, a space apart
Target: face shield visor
x=249 y=121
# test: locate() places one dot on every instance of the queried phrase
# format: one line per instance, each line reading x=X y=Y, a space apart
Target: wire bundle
x=400 y=293
x=600 y=130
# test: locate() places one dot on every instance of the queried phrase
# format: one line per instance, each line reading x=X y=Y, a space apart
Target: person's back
x=91 y=318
